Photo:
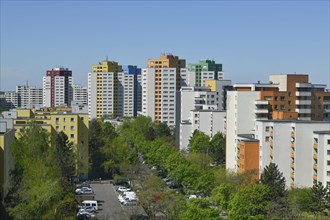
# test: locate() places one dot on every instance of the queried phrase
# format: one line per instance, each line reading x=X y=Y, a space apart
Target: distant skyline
x=252 y=39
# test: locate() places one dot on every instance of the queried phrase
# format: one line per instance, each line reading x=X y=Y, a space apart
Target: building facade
x=205 y=70
x=57 y=87
x=30 y=96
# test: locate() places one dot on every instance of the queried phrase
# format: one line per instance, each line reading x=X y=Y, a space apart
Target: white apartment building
x=299 y=148
x=126 y=95
x=321 y=156
x=241 y=116
x=101 y=100
x=30 y=96
x=12 y=100
x=168 y=106
x=80 y=94
x=188 y=78
x=56 y=92
x=205 y=120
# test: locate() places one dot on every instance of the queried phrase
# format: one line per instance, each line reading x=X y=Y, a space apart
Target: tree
x=199 y=143
x=218 y=149
x=198 y=208
x=319 y=197
x=65 y=158
x=250 y=202
x=37 y=175
x=221 y=195
x=273 y=178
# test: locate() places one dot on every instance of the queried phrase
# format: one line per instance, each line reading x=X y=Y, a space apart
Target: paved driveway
x=110 y=207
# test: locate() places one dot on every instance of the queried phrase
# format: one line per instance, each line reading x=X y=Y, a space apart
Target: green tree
x=221 y=195
x=198 y=209
x=199 y=143
x=273 y=178
x=250 y=202
x=319 y=197
x=37 y=175
x=65 y=158
x=218 y=148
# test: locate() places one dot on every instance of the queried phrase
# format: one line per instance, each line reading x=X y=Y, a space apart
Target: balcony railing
x=292 y=165
x=292 y=154
x=315 y=166
x=315 y=156
x=292 y=176
x=271 y=133
x=315 y=177
x=315 y=146
x=292 y=134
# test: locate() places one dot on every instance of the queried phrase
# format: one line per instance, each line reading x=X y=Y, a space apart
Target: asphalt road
x=109 y=206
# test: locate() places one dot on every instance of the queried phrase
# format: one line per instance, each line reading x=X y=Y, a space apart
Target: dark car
x=122 y=183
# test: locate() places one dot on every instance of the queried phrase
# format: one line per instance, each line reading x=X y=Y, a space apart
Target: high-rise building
x=160 y=84
x=80 y=94
x=204 y=70
x=12 y=100
x=129 y=91
x=286 y=97
x=57 y=87
x=114 y=90
x=29 y=96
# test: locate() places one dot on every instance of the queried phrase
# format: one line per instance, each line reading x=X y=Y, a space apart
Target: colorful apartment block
x=205 y=69
x=75 y=126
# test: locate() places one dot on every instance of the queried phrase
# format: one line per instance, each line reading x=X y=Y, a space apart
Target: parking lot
x=109 y=206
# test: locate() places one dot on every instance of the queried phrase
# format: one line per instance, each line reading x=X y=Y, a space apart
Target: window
x=328 y=141
x=267 y=128
x=72 y=119
x=72 y=128
x=267 y=139
x=328 y=162
x=71 y=135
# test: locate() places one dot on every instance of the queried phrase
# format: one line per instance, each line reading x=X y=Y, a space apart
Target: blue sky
x=252 y=39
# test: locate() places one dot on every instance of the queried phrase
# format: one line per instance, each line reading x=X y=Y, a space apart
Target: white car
x=123 y=189
x=121 y=198
x=88 y=209
x=87 y=214
x=130 y=202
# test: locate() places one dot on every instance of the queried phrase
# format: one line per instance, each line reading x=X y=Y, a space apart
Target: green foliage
x=221 y=195
x=65 y=159
x=37 y=178
x=300 y=199
x=199 y=143
x=173 y=204
x=198 y=209
x=273 y=178
x=218 y=149
x=250 y=202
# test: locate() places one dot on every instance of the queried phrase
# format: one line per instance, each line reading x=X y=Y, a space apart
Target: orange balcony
x=271 y=154
x=292 y=145
x=292 y=154
x=292 y=165
x=292 y=185
x=315 y=146
x=315 y=177
x=271 y=133
x=315 y=166
x=292 y=176
x=315 y=156
x=271 y=144
x=292 y=134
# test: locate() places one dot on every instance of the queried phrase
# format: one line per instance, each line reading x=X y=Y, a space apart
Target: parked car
x=121 y=183
x=85 y=214
x=88 y=191
x=84 y=190
x=88 y=209
x=123 y=189
x=130 y=202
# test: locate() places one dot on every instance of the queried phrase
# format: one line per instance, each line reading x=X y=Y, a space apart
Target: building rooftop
x=322 y=132
x=248 y=137
x=296 y=121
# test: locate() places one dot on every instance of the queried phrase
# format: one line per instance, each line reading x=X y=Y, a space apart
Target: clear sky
x=250 y=38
